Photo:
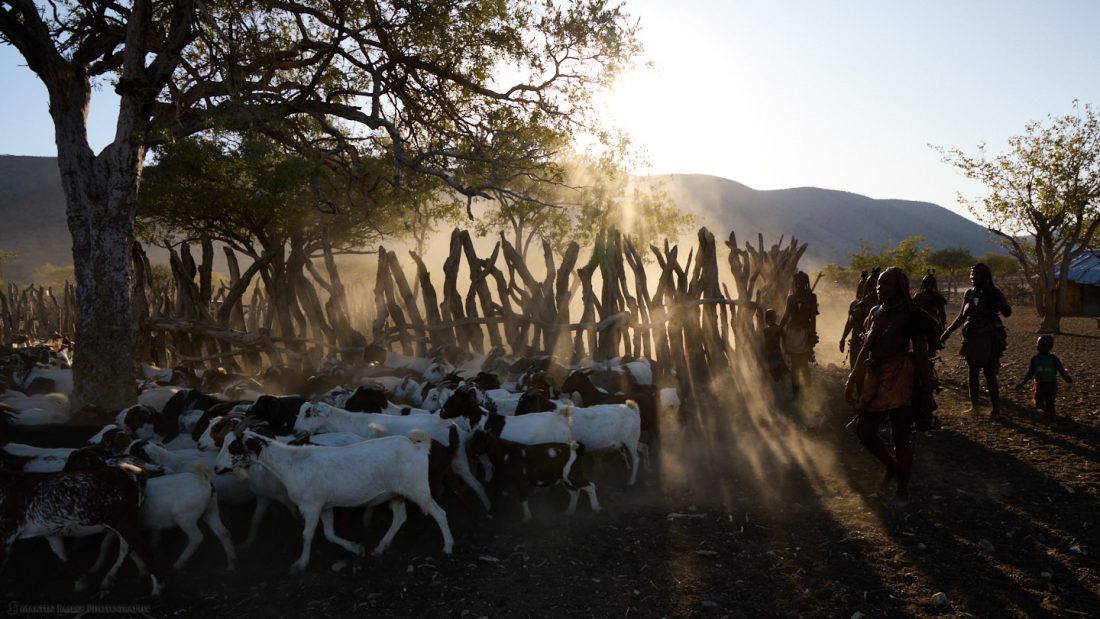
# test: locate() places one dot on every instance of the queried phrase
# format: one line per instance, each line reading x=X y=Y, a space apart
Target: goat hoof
x=297 y=568
x=232 y=567
x=80 y=585
x=359 y=551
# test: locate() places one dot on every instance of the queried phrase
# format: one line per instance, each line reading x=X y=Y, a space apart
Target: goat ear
x=253 y=445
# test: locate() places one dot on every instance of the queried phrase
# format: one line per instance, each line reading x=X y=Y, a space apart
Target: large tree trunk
x=101 y=201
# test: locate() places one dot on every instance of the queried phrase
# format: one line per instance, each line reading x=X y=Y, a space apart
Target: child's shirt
x=1045 y=368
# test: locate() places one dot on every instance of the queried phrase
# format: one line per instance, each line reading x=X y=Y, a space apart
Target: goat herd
x=397 y=429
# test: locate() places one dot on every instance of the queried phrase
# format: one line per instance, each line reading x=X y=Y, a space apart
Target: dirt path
x=779 y=518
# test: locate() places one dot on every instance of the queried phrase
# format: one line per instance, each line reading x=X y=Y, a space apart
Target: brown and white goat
x=520 y=468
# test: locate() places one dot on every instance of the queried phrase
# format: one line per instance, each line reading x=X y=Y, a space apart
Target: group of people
x=892 y=340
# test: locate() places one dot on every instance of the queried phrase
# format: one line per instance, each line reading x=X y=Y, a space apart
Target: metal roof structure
x=1085 y=269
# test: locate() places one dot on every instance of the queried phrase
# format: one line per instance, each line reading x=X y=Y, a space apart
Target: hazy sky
x=839 y=94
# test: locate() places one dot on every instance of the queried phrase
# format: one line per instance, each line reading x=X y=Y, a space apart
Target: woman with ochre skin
x=984 y=336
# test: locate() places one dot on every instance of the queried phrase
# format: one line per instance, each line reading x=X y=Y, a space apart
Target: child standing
x=773 y=347
x=1045 y=368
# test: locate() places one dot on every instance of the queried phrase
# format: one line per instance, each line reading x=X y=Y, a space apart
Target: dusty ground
x=780 y=519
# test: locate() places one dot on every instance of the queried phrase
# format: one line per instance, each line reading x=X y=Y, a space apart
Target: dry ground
x=779 y=518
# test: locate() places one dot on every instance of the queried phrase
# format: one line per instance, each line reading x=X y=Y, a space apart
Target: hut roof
x=1085 y=269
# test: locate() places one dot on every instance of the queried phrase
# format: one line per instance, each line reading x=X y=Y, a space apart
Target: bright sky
x=842 y=94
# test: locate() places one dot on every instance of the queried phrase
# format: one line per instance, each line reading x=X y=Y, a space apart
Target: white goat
x=606 y=428
x=180 y=500
x=318 y=418
x=156 y=397
x=229 y=488
x=390 y=469
x=37 y=410
x=536 y=428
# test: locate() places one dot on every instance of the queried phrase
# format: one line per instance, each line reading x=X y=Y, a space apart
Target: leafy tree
x=466 y=91
x=1000 y=264
x=1043 y=199
x=910 y=254
x=249 y=193
x=952 y=261
x=53 y=276
x=866 y=257
x=640 y=210
x=593 y=194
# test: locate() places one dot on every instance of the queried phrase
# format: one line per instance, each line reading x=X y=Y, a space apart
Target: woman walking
x=984 y=337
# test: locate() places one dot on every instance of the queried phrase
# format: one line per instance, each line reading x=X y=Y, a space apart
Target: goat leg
x=430 y=507
x=194 y=538
x=212 y=518
x=330 y=535
x=310 y=515
x=397 y=508
x=258 y=513
x=129 y=536
x=104 y=548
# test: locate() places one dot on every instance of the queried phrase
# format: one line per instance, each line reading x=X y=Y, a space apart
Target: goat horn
x=241 y=426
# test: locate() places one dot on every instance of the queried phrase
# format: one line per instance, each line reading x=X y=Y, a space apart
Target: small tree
x=50 y=275
x=1043 y=201
x=1000 y=264
x=910 y=254
x=953 y=261
x=592 y=194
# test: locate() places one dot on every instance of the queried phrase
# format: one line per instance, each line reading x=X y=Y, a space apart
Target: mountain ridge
x=833 y=222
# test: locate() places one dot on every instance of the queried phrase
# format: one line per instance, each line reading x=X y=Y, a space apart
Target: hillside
x=32 y=208
x=32 y=212
x=832 y=222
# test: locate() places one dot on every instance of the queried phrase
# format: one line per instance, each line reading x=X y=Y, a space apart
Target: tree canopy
x=593 y=193
x=1043 y=198
x=475 y=94
x=951 y=260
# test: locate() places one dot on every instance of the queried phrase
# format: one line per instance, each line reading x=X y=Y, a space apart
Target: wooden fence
x=676 y=309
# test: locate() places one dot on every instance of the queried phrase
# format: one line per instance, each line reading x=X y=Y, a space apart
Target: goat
x=145 y=422
x=530 y=429
x=579 y=384
x=317 y=417
x=181 y=500
x=229 y=488
x=609 y=428
x=519 y=467
x=279 y=413
x=371 y=399
x=157 y=397
x=535 y=401
x=62 y=378
x=37 y=410
x=317 y=479
x=75 y=504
